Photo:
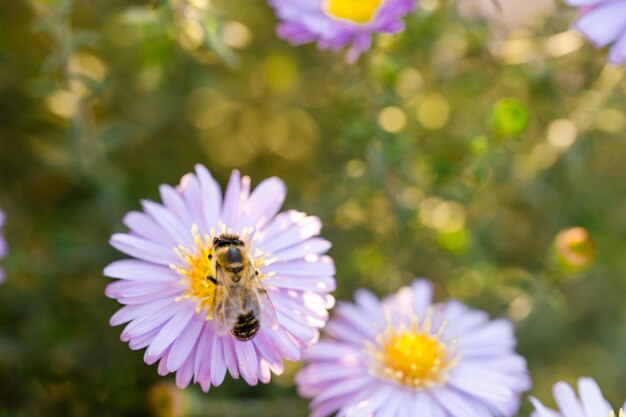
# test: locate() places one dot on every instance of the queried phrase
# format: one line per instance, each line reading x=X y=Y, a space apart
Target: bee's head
x=229 y=253
x=225 y=240
x=231 y=259
x=233 y=256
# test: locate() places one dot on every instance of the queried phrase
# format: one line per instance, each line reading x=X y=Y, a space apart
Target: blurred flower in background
x=590 y=404
x=166 y=400
x=407 y=356
x=3 y=246
x=337 y=23
x=169 y=301
x=604 y=22
x=506 y=16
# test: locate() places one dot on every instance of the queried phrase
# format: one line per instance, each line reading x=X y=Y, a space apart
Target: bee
x=242 y=303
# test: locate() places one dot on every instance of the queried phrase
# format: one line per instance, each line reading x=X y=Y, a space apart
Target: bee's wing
x=266 y=308
x=225 y=314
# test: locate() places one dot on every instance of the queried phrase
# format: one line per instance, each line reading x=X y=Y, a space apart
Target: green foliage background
x=465 y=179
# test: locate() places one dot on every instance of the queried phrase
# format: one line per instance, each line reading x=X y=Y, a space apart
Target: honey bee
x=242 y=303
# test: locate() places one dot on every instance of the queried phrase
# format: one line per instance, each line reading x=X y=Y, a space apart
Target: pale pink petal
x=143 y=249
x=541 y=410
x=232 y=200
x=144 y=226
x=566 y=400
x=170 y=332
x=247 y=360
x=134 y=270
x=168 y=222
x=593 y=402
x=184 y=343
x=210 y=197
x=264 y=203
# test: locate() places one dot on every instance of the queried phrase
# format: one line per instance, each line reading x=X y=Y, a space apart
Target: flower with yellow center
x=169 y=289
x=335 y=24
x=414 y=359
x=407 y=356
x=357 y=11
x=199 y=264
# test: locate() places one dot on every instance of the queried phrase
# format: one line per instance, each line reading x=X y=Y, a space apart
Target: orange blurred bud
x=166 y=400
x=574 y=248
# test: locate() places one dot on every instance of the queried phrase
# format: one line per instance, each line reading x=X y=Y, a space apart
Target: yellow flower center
x=195 y=270
x=413 y=357
x=198 y=264
x=357 y=11
x=621 y=413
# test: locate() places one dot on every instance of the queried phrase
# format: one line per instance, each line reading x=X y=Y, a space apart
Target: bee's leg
x=213 y=280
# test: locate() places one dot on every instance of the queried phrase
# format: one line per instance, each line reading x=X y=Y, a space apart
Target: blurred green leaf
x=509 y=117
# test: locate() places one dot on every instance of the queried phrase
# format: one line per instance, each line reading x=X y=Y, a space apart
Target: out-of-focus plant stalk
x=596 y=97
x=198 y=25
x=53 y=20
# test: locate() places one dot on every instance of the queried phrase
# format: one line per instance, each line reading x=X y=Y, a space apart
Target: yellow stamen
x=357 y=11
x=413 y=356
x=196 y=269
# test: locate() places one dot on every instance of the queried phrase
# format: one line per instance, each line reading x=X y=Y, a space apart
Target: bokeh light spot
x=433 y=111
x=236 y=35
x=392 y=119
x=562 y=133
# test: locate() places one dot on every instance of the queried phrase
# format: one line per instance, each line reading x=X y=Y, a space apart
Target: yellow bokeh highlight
x=63 y=103
x=355 y=168
x=87 y=65
x=392 y=119
x=430 y=6
x=563 y=43
x=562 y=133
x=520 y=307
x=350 y=214
x=433 y=111
x=236 y=35
x=408 y=83
x=199 y=4
x=191 y=35
x=280 y=73
x=446 y=216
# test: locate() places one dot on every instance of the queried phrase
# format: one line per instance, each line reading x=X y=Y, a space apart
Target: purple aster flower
x=604 y=22
x=3 y=247
x=405 y=356
x=193 y=296
x=590 y=404
x=337 y=23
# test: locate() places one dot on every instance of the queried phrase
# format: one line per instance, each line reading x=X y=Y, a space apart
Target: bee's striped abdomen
x=246 y=327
